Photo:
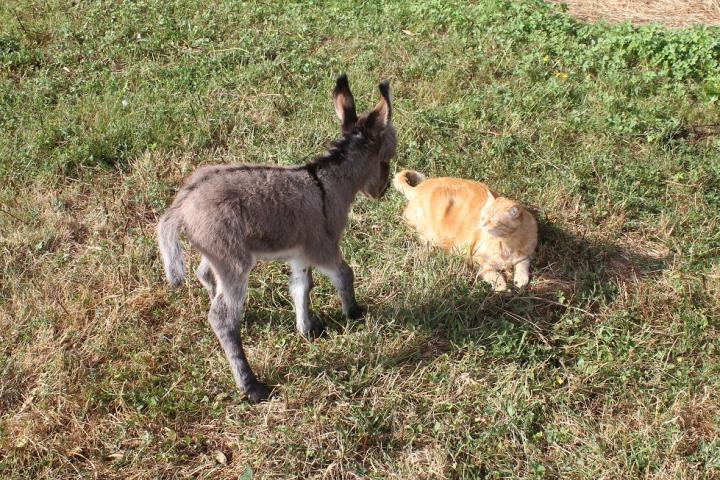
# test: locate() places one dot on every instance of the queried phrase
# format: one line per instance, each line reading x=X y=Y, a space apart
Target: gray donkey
x=238 y=214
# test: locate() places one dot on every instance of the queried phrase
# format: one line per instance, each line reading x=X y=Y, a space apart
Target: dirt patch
x=671 y=13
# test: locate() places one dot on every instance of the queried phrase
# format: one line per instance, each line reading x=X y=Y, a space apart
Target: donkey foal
x=237 y=214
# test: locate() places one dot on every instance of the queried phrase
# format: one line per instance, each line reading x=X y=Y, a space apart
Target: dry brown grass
x=671 y=13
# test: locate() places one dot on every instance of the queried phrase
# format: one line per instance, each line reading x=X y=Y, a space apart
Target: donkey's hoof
x=314 y=332
x=257 y=393
x=356 y=312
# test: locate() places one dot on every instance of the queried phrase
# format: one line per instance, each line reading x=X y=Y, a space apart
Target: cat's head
x=501 y=216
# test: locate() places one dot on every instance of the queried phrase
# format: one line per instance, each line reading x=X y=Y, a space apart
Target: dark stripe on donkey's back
x=312 y=171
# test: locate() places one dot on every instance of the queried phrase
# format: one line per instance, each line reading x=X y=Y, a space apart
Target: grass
x=607 y=367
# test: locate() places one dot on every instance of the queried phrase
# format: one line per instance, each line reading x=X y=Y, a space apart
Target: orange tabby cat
x=497 y=232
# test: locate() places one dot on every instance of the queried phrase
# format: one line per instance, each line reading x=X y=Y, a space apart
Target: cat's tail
x=406 y=181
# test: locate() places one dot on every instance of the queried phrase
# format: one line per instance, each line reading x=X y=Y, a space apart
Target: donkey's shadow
x=571 y=274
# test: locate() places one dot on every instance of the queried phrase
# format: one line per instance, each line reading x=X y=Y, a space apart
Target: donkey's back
x=259 y=210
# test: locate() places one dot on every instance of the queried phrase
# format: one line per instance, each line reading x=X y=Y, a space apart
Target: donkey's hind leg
x=342 y=278
x=225 y=314
x=207 y=278
x=300 y=285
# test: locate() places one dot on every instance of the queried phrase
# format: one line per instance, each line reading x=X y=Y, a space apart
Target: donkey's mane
x=337 y=153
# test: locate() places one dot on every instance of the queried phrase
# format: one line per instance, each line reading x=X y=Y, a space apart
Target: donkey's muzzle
x=378 y=195
x=385 y=189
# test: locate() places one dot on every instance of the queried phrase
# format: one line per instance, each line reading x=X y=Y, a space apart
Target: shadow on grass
x=575 y=282
x=572 y=279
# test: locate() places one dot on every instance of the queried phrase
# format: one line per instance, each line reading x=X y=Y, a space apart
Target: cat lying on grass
x=453 y=213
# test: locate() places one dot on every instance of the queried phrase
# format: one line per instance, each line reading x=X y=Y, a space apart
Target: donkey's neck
x=344 y=169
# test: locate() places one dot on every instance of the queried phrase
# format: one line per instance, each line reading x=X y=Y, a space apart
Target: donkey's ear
x=382 y=113
x=344 y=103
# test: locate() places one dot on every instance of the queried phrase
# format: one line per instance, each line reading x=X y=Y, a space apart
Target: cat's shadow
x=584 y=270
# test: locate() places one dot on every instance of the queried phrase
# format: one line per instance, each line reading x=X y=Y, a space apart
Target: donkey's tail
x=406 y=181
x=168 y=236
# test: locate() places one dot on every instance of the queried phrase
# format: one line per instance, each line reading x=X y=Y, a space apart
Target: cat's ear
x=514 y=212
x=489 y=200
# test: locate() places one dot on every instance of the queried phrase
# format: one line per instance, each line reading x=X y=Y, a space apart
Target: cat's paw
x=521 y=281
x=495 y=279
x=500 y=286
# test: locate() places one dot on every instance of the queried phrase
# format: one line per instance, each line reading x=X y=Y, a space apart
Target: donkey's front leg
x=341 y=276
x=225 y=314
x=300 y=285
